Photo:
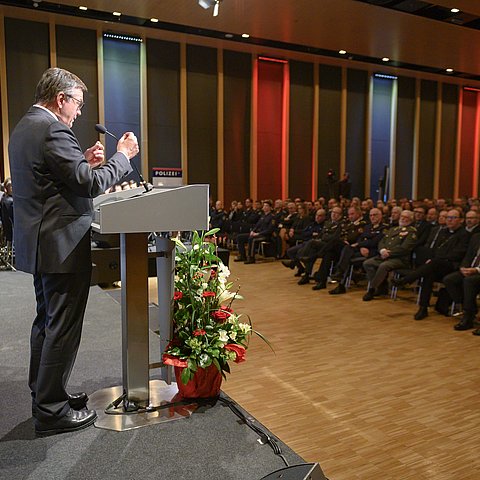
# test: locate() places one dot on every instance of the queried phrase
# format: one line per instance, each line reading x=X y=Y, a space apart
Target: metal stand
x=165 y=250
x=160 y=394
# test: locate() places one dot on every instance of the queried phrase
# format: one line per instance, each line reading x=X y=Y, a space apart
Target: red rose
x=208 y=294
x=177 y=295
x=226 y=309
x=239 y=350
x=199 y=331
x=174 y=361
x=220 y=316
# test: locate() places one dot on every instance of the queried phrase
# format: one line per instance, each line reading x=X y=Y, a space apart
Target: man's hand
x=128 y=145
x=384 y=253
x=95 y=155
x=468 y=271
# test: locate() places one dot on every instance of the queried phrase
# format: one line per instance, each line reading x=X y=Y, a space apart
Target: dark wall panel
x=237 y=78
x=426 y=144
x=202 y=116
x=122 y=93
x=301 y=130
x=405 y=137
x=163 y=99
x=81 y=62
x=357 y=95
x=468 y=137
x=330 y=96
x=381 y=132
x=27 y=55
x=448 y=140
x=269 y=137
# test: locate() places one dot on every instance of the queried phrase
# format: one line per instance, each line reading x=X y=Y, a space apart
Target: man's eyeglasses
x=80 y=103
x=452 y=217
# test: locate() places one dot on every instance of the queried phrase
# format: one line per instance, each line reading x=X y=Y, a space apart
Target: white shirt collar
x=47 y=110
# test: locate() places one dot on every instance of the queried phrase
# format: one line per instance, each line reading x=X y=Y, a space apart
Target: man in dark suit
x=463 y=285
x=53 y=184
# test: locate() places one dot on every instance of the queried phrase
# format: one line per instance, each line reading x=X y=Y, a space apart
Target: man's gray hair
x=54 y=81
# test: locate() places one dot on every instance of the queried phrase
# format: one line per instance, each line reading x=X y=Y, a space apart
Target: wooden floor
x=359 y=387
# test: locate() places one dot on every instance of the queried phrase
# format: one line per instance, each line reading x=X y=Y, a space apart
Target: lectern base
x=160 y=394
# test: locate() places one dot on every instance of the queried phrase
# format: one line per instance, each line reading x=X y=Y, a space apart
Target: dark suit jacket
x=53 y=187
x=472 y=250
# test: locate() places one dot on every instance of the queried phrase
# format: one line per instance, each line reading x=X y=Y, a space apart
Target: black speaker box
x=305 y=471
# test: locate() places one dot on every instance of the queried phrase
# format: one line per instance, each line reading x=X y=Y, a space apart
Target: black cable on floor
x=264 y=436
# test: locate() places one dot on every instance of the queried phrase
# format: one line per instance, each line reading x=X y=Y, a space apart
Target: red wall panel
x=269 y=129
x=468 y=139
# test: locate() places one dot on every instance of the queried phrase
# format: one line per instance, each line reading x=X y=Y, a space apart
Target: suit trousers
x=55 y=338
x=463 y=290
x=378 y=269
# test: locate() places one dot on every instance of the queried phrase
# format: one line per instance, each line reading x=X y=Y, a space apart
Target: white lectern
x=134 y=214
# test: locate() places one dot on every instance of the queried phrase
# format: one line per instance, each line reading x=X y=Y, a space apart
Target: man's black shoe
x=337 y=276
x=288 y=264
x=249 y=261
x=464 y=324
x=304 y=280
x=77 y=401
x=319 y=286
x=421 y=313
x=239 y=259
x=370 y=295
x=339 y=289
x=74 y=420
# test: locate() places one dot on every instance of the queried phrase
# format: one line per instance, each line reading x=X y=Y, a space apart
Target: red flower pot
x=206 y=383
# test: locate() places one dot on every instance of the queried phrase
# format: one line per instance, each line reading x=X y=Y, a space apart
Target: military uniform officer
x=262 y=231
x=394 y=252
x=349 y=233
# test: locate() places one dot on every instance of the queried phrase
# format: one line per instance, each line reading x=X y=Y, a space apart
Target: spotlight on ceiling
x=210 y=3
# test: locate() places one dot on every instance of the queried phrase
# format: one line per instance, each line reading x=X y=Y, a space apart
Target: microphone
x=102 y=129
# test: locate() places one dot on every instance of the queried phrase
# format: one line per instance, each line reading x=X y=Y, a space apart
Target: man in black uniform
x=463 y=285
x=446 y=259
x=261 y=232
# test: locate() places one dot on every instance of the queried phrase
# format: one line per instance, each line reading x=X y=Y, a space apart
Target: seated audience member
x=395 y=216
x=394 y=251
x=420 y=223
x=313 y=231
x=250 y=217
x=284 y=227
x=315 y=248
x=299 y=224
x=446 y=259
x=463 y=286
x=435 y=238
x=472 y=222
x=6 y=211
x=261 y=232
x=432 y=216
x=365 y=246
x=349 y=233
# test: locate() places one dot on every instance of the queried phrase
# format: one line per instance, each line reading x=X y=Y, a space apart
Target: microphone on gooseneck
x=102 y=129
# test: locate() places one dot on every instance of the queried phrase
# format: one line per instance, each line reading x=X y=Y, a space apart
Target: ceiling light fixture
x=245 y=35
x=206 y=4
x=449 y=70
x=454 y=10
x=117 y=14
x=342 y=52
x=385 y=59
x=81 y=7
x=154 y=20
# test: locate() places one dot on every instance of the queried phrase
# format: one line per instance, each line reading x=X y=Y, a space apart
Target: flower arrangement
x=206 y=330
